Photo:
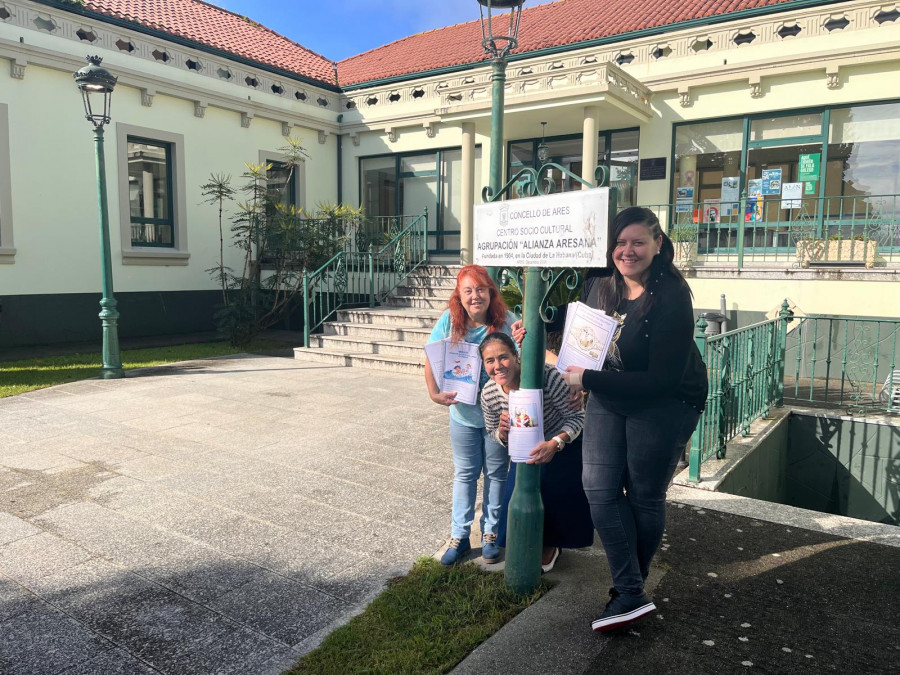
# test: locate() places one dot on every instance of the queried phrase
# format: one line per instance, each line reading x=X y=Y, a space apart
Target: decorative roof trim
x=76 y=8
x=593 y=42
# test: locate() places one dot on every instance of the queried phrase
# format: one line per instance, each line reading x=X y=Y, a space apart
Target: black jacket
x=659 y=359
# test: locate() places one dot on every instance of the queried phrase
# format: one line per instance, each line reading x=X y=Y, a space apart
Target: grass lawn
x=425 y=622
x=17 y=377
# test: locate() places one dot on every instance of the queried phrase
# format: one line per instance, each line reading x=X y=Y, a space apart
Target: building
x=690 y=106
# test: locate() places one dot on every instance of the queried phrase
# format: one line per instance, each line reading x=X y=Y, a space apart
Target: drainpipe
x=340 y=163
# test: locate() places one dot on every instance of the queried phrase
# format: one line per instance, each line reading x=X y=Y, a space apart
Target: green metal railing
x=811 y=231
x=746 y=378
x=355 y=278
x=846 y=362
x=823 y=361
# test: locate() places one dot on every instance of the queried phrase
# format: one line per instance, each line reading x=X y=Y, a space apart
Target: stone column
x=590 y=143
x=467 y=193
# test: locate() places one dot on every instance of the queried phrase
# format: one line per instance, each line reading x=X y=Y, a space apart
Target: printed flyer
x=586 y=338
x=456 y=366
x=526 y=423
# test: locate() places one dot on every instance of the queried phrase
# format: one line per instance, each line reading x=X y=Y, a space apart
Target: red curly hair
x=496 y=313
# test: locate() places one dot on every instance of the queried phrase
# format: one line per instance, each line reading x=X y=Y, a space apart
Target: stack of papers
x=586 y=337
x=526 y=423
x=456 y=366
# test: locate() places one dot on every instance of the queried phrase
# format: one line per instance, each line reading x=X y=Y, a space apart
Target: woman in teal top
x=475 y=309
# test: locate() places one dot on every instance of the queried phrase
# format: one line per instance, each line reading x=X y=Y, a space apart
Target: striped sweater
x=558 y=416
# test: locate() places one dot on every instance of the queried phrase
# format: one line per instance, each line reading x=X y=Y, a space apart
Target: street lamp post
x=525 y=522
x=96 y=85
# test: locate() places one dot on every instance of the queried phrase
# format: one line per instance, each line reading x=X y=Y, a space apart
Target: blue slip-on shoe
x=455 y=551
x=490 y=552
x=621 y=610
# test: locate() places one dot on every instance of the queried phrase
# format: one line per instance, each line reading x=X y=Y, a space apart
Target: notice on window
x=809 y=167
x=526 y=423
x=558 y=230
x=711 y=211
x=771 y=182
x=754 y=188
x=684 y=199
x=792 y=195
x=731 y=195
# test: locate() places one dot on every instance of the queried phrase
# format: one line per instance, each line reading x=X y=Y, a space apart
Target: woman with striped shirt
x=567 y=515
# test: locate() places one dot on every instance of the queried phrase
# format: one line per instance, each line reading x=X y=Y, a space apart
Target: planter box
x=840 y=251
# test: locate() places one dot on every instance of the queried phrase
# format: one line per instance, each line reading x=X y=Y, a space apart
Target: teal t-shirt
x=463 y=413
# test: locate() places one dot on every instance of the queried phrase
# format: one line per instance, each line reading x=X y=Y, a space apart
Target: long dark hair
x=612 y=286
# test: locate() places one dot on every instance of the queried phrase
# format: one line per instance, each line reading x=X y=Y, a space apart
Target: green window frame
x=153 y=231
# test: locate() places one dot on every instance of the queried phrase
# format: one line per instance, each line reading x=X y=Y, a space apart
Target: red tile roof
x=220 y=29
x=559 y=23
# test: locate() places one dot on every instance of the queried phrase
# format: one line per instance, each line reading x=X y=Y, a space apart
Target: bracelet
x=560 y=443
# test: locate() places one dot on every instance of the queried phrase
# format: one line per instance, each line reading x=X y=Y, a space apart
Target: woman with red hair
x=475 y=309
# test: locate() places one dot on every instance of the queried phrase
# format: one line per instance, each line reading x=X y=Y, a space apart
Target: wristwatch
x=560 y=443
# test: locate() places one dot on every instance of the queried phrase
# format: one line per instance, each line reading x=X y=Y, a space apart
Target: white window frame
x=7 y=250
x=151 y=255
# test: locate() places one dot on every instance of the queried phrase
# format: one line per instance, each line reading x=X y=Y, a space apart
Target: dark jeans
x=629 y=459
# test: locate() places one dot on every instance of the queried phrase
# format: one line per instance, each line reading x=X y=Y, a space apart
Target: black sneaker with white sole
x=621 y=610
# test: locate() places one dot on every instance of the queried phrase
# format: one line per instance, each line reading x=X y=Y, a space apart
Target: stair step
x=430 y=282
x=359 y=345
x=415 y=302
x=393 y=316
x=440 y=293
x=393 y=364
x=378 y=331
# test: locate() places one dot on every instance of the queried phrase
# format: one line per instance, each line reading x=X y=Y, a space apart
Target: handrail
x=349 y=277
x=745 y=368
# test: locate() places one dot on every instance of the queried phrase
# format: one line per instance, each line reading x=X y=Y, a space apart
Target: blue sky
x=337 y=29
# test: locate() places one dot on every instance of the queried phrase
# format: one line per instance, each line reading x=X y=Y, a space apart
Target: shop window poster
x=771 y=182
x=754 y=187
x=684 y=199
x=731 y=195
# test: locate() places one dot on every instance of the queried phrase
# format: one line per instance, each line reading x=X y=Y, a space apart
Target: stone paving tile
x=280 y=607
x=14 y=599
x=12 y=528
x=40 y=461
x=31 y=558
x=112 y=662
x=44 y=640
x=240 y=651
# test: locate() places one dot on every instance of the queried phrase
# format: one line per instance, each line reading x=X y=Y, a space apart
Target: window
x=617 y=151
x=151 y=196
x=150 y=192
x=7 y=251
x=287 y=185
x=828 y=173
x=406 y=184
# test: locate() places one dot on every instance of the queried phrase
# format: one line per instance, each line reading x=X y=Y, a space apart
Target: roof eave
x=75 y=8
x=593 y=42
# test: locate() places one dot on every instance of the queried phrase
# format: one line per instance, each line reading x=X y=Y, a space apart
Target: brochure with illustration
x=526 y=423
x=586 y=338
x=456 y=366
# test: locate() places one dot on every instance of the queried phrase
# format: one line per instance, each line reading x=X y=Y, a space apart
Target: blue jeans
x=629 y=459
x=475 y=452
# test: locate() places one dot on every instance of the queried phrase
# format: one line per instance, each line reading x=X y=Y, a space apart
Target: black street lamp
x=96 y=84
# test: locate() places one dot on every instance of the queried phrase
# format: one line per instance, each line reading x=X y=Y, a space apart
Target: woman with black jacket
x=643 y=405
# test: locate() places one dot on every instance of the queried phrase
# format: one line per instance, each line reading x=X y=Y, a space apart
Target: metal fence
x=746 y=378
x=847 y=362
x=824 y=361
x=805 y=232
x=355 y=277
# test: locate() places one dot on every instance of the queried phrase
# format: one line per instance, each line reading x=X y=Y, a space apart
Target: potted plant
x=684 y=239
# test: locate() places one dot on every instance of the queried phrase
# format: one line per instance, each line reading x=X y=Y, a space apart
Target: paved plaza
x=214 y=516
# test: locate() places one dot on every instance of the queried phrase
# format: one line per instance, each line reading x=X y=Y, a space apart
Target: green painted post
x=425 y=235
x=109 y=316
x=697 y=436
x=498 y=93
x=781 y=354
x=306 y=310
x=371 y=275
x=741 y=228
x=525 y=524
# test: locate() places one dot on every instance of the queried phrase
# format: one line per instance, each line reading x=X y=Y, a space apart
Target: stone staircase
x=389 y=337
